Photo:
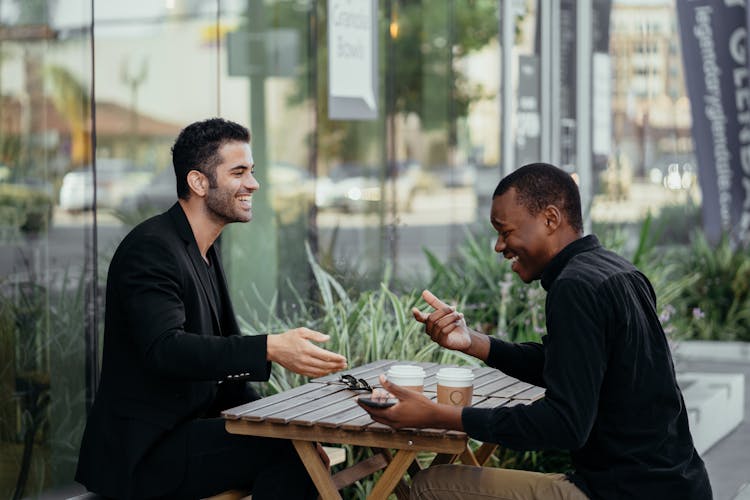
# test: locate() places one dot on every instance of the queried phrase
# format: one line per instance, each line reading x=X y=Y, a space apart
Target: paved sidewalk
x=728 y=461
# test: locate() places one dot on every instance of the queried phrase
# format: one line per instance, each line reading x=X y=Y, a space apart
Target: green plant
x=42 y=327
x=363 y=326
x=713 y=300
x=7 y=373
x=369 y=326
x=423 y=77
x=24 y=208
x=674 y=224
x=26 y=325
x=548 y=461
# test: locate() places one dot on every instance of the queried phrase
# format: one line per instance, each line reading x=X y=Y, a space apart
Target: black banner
x=714 y=36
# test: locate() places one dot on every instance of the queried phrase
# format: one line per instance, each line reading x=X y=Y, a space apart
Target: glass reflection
x=47 y=279
x=364 y=196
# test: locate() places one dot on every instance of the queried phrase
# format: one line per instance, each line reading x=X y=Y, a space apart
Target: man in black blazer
x=173 y=354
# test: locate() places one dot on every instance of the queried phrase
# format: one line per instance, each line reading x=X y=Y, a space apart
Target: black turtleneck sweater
x=611 y=393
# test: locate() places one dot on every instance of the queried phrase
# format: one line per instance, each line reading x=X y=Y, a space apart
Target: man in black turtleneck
x=611 y=394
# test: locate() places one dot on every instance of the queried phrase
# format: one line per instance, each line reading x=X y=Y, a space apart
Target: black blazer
x=166 y=346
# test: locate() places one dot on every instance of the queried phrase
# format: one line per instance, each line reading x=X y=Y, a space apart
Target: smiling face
x=523 y=238
x=229 y=195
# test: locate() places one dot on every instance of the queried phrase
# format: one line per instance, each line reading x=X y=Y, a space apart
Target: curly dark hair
x=541 y=184
x=197 y=148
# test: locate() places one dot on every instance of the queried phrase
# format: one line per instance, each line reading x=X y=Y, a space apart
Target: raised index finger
x=435 y=302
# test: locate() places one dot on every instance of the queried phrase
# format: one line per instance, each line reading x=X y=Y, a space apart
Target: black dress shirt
x=611 y=393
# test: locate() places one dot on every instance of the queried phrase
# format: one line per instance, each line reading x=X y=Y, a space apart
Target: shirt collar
x=559 y=261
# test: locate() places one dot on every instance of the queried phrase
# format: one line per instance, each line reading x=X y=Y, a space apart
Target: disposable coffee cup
x=455 y=386
x=407 y=376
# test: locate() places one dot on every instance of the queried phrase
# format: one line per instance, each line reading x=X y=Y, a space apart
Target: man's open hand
x=295 y=351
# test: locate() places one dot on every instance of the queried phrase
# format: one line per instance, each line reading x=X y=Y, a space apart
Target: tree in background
x=427 y=38
x=72 y=101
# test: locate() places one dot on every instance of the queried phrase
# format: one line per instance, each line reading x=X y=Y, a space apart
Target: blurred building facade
x=650 y=107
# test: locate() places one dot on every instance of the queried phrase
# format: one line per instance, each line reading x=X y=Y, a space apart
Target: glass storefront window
x=47 y=284
x=93 y=94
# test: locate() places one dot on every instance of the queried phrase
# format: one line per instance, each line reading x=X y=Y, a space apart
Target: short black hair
x=541 y=184
x=197 y=148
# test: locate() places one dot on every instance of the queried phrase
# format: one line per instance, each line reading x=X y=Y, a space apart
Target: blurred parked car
x=357 y=188
x=155 y=196
x=115 y=179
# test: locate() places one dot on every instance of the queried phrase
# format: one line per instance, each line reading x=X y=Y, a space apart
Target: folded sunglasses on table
x=355 y=384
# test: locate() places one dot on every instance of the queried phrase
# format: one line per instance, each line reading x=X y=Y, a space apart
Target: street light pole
x=507 y=31
x=583 y=107
x=391 y=170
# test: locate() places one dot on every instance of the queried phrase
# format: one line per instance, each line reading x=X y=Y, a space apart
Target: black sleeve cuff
x=259 y=359
x=249 y=361
x=477 y=423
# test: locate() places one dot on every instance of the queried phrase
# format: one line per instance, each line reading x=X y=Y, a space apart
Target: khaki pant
x=456 y=482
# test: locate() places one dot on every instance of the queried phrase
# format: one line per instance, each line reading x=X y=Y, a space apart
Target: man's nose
x=251 y=182
x=499 y=244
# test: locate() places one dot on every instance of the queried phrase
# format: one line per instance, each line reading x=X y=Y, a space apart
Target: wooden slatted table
x=325 y=410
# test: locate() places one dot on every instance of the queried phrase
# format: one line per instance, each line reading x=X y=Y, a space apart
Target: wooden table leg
x=444 y=459
x=414 y=468
x=392 y=474
x=484 y=452
x=468 y=458
x=320 y=475
x=401 y=490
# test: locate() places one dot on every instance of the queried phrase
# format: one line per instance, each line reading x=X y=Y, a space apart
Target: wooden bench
x=335 y=454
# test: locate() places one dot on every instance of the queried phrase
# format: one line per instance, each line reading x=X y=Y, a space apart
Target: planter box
x=715 y=401
x=715 y=404
x=708 y=350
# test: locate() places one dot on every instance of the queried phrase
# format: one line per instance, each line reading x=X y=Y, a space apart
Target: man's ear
x=553 y=216
x=197 y=182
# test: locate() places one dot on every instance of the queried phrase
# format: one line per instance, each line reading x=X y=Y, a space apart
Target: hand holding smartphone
x=378 y=402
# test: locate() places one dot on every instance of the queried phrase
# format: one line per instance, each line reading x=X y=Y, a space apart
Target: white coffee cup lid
x=450 y=376
x=406 y=371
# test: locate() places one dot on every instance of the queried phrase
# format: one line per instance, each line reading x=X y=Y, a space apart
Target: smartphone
x=378 y=403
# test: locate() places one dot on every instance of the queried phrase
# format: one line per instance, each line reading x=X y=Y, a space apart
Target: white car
x=115 y=179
